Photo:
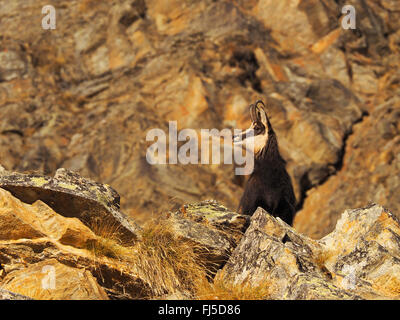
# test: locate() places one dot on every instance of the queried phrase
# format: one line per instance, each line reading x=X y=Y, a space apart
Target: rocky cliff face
x=84 y=95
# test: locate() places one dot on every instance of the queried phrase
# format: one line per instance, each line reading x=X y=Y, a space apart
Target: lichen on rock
x=71 y=195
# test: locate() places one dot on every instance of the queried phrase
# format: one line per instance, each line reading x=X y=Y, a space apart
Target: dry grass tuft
x=109 y=248
x=108 y=241
x=166 y=262
x=169 y=263
x=222 y=289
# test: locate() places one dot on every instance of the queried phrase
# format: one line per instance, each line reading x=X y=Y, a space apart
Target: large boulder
x=212 y=227
x=20 y=220
x=71 y=195
x=34 y=233
x=51 y=280
x=358 y=260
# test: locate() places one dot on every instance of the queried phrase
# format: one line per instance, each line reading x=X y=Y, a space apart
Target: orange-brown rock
x=51 y=280
x=33 y=235
x=20 y=220
x=358 y=260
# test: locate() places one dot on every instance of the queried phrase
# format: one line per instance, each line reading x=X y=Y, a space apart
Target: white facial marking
x=260 y=141
x=252 y=143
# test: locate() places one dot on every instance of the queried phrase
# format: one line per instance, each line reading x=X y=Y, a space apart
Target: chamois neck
x=269 y=157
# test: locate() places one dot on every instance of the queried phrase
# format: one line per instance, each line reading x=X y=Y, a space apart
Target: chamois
x=269 y=185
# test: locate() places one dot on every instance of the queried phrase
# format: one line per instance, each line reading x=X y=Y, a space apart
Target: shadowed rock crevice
x=339 y=164
x=327 y=173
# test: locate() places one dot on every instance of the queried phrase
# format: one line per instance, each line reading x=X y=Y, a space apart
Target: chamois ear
x=261 y=114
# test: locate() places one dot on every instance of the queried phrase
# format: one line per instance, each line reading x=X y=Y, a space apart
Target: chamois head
x=260 y=126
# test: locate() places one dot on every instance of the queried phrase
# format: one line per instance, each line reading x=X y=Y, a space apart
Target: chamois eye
x=258 y=128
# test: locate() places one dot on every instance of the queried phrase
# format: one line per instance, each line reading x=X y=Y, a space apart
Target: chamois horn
x=263 y=113
x=253 y=115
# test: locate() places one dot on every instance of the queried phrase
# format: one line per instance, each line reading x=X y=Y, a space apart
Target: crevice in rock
x=13 y=131
x=286 y=239
x=305 y=183
x=138 y=11
x=246 y=60
x=339 y=164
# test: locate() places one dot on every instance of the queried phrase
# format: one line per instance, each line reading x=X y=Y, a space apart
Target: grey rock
x=71 y=195
x=8 y=295
x=212 y=227
x=11 y=65
x=360 y=259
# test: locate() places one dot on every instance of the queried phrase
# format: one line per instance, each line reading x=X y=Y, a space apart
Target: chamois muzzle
x=238 y=138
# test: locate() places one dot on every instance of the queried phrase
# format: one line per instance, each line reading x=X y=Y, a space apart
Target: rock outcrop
x=212 y=227
x=19 y=220
x=88 y=261
x=358 y=260
x=55 y=281
x=71 y=196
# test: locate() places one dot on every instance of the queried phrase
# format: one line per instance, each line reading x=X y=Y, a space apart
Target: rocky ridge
x=360 y=259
